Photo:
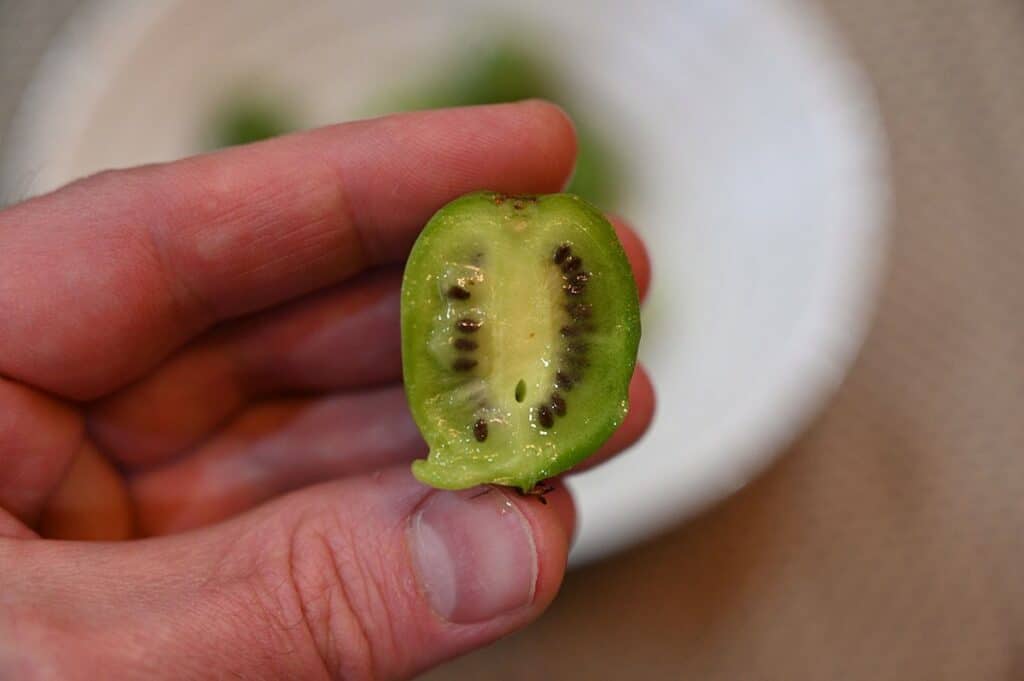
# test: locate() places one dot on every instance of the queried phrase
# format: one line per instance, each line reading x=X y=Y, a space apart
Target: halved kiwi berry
x=520 y=326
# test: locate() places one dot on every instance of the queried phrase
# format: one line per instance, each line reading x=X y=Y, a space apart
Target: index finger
x=104 y=278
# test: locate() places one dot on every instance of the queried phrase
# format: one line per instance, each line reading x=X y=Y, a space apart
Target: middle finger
x=282 y=445
x=343 y=338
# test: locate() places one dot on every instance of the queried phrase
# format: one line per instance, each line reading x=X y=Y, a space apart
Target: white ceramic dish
x=755 y=153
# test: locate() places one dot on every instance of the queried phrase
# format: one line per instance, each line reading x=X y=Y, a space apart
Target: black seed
x=458 y=293
x=575 y=289
x=579 y=278
x=518 y=204
x=480 y=430
x=467 y=325
x=563 y=380
x=558 y=404
x=545 y=417
x=464 y=364
x=561 y=253
x=580 y=310
x=464 y=344
x=577 y=348
x=571 y=263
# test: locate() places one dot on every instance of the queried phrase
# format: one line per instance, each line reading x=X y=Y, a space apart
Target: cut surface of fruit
x=520 y=326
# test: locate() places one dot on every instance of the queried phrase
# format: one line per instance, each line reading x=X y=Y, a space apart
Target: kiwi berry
x=520 y=326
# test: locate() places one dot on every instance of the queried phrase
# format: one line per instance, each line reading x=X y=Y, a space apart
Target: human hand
x=186 y=348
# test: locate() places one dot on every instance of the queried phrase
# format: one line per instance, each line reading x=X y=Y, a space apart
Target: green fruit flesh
x=520 y=325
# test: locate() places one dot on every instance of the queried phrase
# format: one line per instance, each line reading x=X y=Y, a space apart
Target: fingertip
x=551 y=498
x=561 y=502
x=559 y=131
x=641 y=410
x=642 y=403
x=642 y=400
x=552 y=519
x=636 y=252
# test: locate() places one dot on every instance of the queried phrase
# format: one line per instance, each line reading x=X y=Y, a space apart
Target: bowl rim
x=837 y=324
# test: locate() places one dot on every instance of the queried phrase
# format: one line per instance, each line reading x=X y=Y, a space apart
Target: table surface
x=886 y=543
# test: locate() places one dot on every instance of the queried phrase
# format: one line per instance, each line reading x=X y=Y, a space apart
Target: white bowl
x=755 y=155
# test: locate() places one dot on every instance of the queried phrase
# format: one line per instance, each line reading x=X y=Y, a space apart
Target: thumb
x=373 y=577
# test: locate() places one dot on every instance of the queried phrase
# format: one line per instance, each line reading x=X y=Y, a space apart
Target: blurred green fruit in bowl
x=246 y=117
x=508 y=72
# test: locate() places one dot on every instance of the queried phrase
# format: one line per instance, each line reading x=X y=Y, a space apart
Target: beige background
x=887 y=543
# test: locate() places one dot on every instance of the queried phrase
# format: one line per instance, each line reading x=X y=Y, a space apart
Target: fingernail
x=473 y=554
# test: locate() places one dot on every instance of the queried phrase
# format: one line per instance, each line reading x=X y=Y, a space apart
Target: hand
x=191 y=346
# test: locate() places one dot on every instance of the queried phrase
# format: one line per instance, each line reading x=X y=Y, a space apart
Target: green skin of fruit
x=522 y=233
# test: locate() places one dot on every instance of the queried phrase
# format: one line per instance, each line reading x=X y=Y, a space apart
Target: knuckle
x=251 y=591
x=140 y=236
x=340 y=597
x=329 y=583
